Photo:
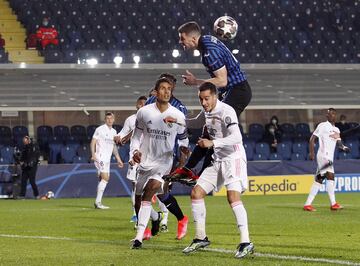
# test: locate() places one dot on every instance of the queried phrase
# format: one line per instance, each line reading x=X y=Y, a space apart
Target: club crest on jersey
x=170 y=125
x=228 y=120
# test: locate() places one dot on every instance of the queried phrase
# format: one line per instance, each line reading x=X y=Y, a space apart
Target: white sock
x=313 y=192
x=154 y=214
x=164 y=211
x=330 y=187
x=241 y=220
x=100 y=190
x=143 y=219
x=133 y=201
x=199 y=214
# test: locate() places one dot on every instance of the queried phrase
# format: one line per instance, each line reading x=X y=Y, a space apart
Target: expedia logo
x=284 y=186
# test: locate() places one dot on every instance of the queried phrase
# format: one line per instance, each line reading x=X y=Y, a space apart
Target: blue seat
x=262 y=148
x=260 y=157
x=44 y=131
x=78 y=131
x=275 y=156
x=302 y=128
x=298 y=156
x=256 y=131
x=80 y=159
x=90 y=130
x=284 y=149
x=249 y=149
x=61 y=132
x=300 y=147
x=344 y=155
x=287 y=128
x=83 y=151
x=72 y=142
x=7 y=153
x=67 y=154
x=20 y=131
x=5 y=131
x=354 y=148
x=117 y=128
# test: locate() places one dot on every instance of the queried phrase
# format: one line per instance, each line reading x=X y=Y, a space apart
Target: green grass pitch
x=72 y=232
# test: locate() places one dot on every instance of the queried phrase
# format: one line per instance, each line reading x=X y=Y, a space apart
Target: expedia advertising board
x=295 y=184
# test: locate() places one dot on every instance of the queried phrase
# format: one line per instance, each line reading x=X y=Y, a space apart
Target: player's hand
x=137 y=157
x=335 y=135
x=205 y=143
x=189 y=78
x=131 y=162
x=185 y=150
x=120 y=163
x=117 y=139
x=169 y=119
x=345 y=148
x=312 y=156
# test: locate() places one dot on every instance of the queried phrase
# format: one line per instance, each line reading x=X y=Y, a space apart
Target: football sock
x=143 y=219
x=241 y=220
x=164 y=211
x=133 y=201
x=154 y=214
x=199 y=214
x=330 y=187
x=313 y=192
x=100 y=190
x=172 y=205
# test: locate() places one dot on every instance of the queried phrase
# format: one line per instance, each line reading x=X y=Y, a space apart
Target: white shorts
x=231 y=173
x=131 y=172
x=143 y=176
x=102 y=167
x=322 y=167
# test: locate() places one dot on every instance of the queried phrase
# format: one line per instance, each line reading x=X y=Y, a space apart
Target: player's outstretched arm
x=341 y=146
x=92 y=148
x=312 y=140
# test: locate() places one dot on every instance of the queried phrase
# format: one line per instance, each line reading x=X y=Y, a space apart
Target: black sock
x=172 y=205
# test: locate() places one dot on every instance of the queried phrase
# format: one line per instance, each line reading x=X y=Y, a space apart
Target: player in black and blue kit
x=225 y=73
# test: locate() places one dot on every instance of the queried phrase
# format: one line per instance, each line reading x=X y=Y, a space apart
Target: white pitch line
x=218 y=250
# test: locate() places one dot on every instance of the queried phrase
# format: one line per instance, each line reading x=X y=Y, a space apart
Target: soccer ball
x=50 y=195
x=225 y=28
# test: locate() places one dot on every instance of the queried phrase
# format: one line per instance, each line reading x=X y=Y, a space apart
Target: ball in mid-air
x=225 y=28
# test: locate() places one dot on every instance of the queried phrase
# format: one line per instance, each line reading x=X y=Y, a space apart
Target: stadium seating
x=269 y=32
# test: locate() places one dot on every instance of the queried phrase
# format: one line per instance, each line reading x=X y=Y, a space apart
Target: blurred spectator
x=272 y=136
x=29 y=162
x=342 y=124
x=2 y=42
x=47 y=34
x=307 y=20
x=336 y=17
x=273 y=133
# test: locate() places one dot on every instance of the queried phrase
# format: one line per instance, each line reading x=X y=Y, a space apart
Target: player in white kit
x=152 y=147
x=324 y=159
x=121 y=138
x=228 y=168
x=102 y=147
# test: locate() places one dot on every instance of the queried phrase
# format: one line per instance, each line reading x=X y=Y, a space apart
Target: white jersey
x=154 y=138
x=104 y=143
x=129 y=126
x=223 y=128
x=327 y=144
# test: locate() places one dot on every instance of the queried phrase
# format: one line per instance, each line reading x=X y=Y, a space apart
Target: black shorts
x=238 y=97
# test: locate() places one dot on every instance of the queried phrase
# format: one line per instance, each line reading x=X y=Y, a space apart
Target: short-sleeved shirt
x=215 y=55
x=104 y=142
x=158 y=138
x=218 y=122
x=129 y=126
x=327 y=144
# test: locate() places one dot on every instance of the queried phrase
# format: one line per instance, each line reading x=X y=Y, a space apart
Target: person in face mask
x=343 y=125
x=272 y=135
x=46 y=34
x=307 y=20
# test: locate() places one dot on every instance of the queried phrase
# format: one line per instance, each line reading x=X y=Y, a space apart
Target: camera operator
x=29 y=161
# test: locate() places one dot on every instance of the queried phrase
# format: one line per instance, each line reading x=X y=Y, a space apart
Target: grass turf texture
x=85 y=236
